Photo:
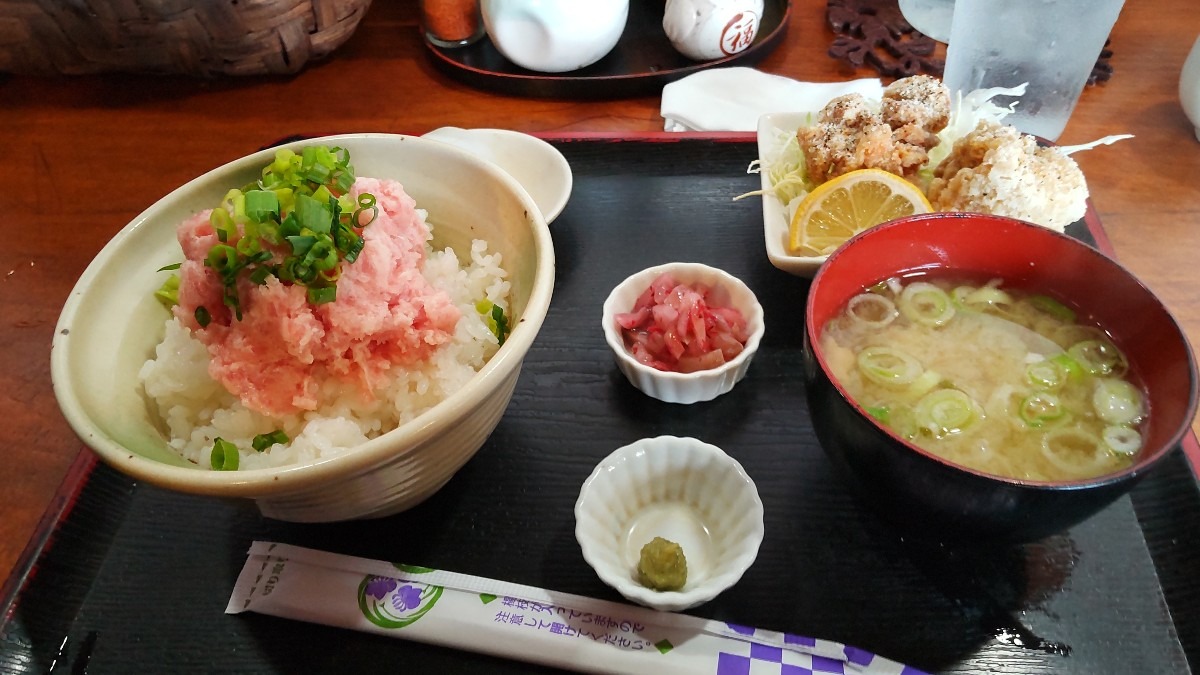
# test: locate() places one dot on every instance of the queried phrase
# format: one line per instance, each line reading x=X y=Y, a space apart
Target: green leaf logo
x=413 y=569
x=391 y=603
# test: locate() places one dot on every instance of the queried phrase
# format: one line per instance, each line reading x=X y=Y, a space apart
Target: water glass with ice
x=931 y=17
x=1050 y=44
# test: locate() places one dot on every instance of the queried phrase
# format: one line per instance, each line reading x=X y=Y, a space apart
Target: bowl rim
x=1143 y=463
x=473 y=138
x=776 y=223
x=287 y=479
x=713 y=585
x=755 y=320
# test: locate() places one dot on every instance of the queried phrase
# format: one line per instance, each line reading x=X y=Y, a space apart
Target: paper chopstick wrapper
x=521 y=622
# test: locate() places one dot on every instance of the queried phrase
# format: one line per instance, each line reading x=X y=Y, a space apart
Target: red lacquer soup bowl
x=928 y=495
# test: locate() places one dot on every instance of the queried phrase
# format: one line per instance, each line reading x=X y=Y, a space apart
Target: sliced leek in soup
x=996 y=379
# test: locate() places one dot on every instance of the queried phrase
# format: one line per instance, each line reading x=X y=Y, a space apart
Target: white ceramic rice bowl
x=694 y=387
x=111 y=322
x=684 y=490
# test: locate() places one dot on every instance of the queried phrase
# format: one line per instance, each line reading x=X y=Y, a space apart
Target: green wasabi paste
x=662 y=566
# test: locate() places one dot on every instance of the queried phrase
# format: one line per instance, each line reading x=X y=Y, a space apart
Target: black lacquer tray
x=128 y=578
x=642 y=61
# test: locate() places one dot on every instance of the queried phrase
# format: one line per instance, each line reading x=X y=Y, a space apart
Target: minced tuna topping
x=386 y=314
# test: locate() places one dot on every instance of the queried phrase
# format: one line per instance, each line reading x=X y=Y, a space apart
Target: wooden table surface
x=84 y=155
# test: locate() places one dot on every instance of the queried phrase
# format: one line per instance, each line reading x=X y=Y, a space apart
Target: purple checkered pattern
x=760 y=659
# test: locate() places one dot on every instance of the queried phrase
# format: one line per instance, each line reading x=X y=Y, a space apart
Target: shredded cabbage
x=786 y=170
x=966 y=112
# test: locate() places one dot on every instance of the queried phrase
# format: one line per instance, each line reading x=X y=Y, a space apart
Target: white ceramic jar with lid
x=1189 y=86
x=555 y=36
x=705 y=30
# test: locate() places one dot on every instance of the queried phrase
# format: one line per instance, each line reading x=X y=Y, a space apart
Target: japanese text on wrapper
x=572 y=623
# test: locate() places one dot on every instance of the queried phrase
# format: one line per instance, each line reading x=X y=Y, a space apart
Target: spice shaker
x=451 y=23
x=704 y=30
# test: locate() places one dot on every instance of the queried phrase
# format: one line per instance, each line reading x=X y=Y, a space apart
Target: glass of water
x=1050 y=44
x=931 y=17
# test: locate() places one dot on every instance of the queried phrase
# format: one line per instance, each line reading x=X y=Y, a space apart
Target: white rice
x=195 y=409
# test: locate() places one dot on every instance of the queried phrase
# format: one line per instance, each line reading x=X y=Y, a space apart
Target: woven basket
x=195 y=37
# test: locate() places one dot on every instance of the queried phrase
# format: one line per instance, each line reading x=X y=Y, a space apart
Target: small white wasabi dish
x=538 y=166
x=683 y=490
x=675 y=387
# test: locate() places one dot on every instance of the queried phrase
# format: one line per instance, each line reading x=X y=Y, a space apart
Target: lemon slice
x=841 y=208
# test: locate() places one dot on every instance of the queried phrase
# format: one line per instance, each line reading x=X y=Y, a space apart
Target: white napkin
x=732 y=99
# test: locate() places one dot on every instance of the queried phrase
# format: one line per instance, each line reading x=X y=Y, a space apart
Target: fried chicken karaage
x=996 y=169
x=849 y=135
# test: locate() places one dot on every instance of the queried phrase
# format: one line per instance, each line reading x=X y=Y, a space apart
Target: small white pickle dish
x=702 y=385
x=680 y=489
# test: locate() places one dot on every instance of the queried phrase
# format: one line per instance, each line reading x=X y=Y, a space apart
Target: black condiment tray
x=125 y=577
x=640 y=64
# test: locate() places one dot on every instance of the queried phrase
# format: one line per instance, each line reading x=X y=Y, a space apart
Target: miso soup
x=998 y=379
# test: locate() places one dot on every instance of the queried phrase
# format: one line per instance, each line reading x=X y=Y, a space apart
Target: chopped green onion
x=289 y=226
x=224 y=455
x=248 y=246
x=172 y=266
x=1122 y=439
x=312 y=214
x=232 y=301
x=880 y=413
x=1069 y=365
x=1046 y=374
x=924 y=384
x=497 y=321
x=879 y=287
x=301 y=243
x=301 y=201
x=202 y=316
x=1117 y=401
x=222 y=224
x=320 y=296
x=1073 y=450
x=317 y=173
x=260 y=274
x=299 y=272
x=263 y=441
x=1099 y=357
x=262 y=205
x=924 y=303
x=235 y=202
x=902 y=421
x=323 y=255
x=887 y=366
x=222 y=258
x=1053 y=307
x=323 y=195
x=168 y=292
x=1040 y=409
x=988 y=295
x=946 y=411
x=331 y=275
x=366 y=202
x=872 y=309
x=348 y=242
